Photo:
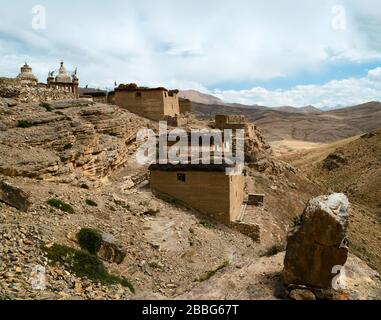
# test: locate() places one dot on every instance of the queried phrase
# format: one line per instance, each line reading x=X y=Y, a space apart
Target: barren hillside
x=80 y=155
x=312 y=127
x=352 y=166
x=199 y=97
x=307 y=109
x=76 y=161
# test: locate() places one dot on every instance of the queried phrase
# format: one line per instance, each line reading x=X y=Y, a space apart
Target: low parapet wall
x=230 y=121
x=13 y=88
x=249 y=229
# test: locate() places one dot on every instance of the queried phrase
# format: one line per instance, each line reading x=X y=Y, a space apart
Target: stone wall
x=152 y=104
x=13 y=88
x=212 y=193
x=230 y=122
x=185 y=105
x=99 y=99
x=111 y=97
x=171 y=104
x=249 y=229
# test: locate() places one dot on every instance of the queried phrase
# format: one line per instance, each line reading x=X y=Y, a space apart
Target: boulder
x=302 y=294
x=110 y=251
x=14 y=196
x=8 y=102
x=317 y=243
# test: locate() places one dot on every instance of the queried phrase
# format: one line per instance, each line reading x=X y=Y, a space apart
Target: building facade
x=26 y=75
x=63 y=81
x=152 y=103
x=185 y=105
x=206 y=188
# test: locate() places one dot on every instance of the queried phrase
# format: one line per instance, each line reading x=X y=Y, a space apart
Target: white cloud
x=375 y=73
x=336 y=92
x=188 y=44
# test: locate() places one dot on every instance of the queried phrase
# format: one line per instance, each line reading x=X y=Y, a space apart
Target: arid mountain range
x=307 y=124
x=200 y=97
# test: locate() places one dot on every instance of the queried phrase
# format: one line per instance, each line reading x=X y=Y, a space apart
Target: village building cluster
x=204 y=187
x=63 y=81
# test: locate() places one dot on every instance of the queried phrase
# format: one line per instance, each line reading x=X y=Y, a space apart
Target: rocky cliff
x=74 y=141
x=13 y=88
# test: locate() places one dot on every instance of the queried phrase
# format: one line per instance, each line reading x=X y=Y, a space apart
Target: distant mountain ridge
x=320 y=126
x=306 y=109
x=199 y=97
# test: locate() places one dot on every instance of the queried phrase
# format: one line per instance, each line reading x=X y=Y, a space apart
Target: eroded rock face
x=317 y=243
x=77 y=142
x=258 y=153
x=14 y=196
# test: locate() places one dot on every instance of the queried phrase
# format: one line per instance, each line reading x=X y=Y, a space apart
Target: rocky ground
x=81 y=151
x=165 y=253
x=261 y=279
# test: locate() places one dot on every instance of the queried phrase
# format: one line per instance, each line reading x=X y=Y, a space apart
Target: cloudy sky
x=289 y=52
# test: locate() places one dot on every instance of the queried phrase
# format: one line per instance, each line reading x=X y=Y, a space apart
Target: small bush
x=46 y=106
x=84 y=264
x=113 y=134
x=91 y=203
x=90 y=240
x=59 y=204
x=207 y=224
x=151 y=212
x=68 y=146
x=24 y=124
x=211 y=273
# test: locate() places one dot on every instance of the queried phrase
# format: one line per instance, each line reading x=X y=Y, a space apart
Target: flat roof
x=132 y=88
x=190 y=167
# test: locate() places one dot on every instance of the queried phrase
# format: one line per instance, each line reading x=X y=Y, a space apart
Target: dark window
x=165 y=94
x=181 y=177
x=138 y=94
